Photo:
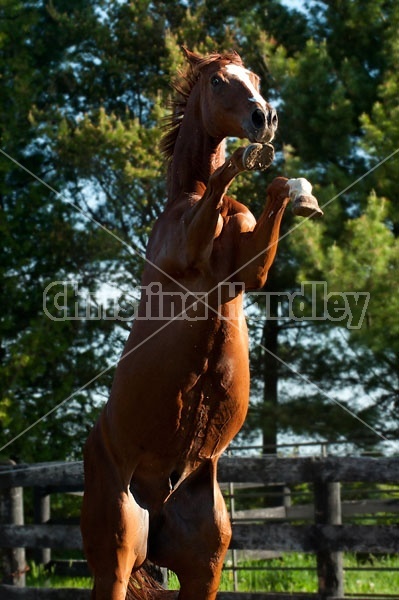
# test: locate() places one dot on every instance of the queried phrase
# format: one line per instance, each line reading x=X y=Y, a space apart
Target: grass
x=39 y=576
x=372 y=582
x=298 y=575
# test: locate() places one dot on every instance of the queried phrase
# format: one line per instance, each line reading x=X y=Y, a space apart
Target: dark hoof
x=258 y=157
x=306 y=206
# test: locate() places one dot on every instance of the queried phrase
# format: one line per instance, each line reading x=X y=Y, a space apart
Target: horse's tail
x=144 y=586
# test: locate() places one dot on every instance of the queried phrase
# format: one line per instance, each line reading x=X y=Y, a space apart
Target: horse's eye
x=215 y=80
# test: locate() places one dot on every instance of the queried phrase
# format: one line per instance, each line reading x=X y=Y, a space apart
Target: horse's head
x=231 y=104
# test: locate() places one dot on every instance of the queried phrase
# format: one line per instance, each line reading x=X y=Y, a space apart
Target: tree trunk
x=270 y=377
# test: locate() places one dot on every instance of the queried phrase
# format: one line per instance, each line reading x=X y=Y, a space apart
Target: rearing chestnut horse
x=181 y=388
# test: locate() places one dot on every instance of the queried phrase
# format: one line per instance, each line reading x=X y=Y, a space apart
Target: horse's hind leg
x=114 y=527
x=193 y=534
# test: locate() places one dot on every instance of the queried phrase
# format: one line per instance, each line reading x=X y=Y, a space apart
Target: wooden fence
x=326 y=536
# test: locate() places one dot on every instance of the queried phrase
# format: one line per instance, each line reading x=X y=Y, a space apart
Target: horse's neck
x=196 y=156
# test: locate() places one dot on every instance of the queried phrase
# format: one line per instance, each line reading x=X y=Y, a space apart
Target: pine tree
x=325 y=90
x=361 y=254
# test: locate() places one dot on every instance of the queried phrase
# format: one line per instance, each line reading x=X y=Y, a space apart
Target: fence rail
x=326 y=536
x=263 y=469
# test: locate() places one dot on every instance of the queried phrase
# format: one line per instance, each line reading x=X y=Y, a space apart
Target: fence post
x=41 y=509
x=327 y=497
x=12 y=513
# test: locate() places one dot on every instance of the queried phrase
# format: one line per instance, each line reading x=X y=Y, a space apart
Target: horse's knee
x=194 y=527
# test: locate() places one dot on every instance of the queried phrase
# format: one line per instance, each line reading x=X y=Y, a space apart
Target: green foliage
x=364 y=259
x=85 y=88
x=317 y=116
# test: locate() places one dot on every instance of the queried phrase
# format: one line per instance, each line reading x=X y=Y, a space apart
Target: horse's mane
x=183 y=86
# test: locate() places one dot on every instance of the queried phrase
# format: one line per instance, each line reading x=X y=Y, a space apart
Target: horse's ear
x=192 y=58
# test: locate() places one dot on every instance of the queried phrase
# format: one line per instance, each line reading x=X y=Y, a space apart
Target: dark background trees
x=85 y=86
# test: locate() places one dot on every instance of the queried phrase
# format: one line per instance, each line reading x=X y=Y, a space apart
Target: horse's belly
x=211 y=414
x=180 y=402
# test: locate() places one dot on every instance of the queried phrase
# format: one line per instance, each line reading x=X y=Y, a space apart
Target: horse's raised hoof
x=307 y=206
x=258 y=157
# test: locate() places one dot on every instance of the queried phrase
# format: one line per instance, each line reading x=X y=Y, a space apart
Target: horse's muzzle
x=263 y=124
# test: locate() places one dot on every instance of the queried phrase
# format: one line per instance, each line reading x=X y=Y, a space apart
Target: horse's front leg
x=203 y=220
x=258 y=247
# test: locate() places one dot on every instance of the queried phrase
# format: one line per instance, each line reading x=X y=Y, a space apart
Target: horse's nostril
x=258 y=118
x=272 y=119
